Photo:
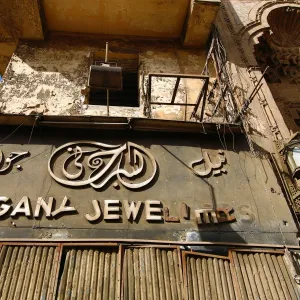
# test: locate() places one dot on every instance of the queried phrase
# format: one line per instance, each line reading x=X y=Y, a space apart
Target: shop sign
x=153 y=211
x=94 y=164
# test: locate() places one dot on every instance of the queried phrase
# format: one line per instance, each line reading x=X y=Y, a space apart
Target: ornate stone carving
x=285 y=26
x=279 y=47
x=88 y=155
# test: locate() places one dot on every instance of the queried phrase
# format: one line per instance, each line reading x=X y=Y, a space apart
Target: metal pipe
x=258 y=83
x=78 y=123
x=190 y=76
x=247 y=102
x=107 y=91
x=136 y=241
x=107 y=101
x=106 y=52
x=174 y=104
x=175 y=90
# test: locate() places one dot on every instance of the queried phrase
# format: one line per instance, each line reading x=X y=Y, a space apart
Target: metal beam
x=175 y=90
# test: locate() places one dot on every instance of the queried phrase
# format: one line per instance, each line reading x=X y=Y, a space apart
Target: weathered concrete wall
x=21 y=19
x=119 y=17
x=199 y=22
x=47 y=77
x=18 y=19
x=6 y=51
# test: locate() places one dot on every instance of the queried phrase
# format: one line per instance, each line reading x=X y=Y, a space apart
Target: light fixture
x=291 y=152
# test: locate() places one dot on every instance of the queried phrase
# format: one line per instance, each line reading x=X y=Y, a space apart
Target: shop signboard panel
x=140 y=186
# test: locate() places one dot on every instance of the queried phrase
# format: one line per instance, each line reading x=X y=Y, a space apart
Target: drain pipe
x=84 y=124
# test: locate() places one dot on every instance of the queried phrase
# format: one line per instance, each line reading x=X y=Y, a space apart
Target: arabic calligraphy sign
x=13 y=156
x=99 y=171
x=209 y=167
x=88 y=163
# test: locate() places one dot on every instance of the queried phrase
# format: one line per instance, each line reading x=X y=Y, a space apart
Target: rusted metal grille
x=152 y=273
x=208 y=277
x=263 y=275
x=28 y=272
x=90 y=273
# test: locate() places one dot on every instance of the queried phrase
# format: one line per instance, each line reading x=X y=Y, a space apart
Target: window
x=129 y=95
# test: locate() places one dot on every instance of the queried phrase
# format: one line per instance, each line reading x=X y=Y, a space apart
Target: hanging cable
x=35 y=120
x=14 y=130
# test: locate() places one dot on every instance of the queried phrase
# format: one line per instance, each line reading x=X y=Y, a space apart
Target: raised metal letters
x=4 y=207
x=208 y=216
x=205 y=216
x=22 y=207
x=132 y=210
x=63 y=208
x=108 y=208
x=46 y=207
x=97 y=212
x=8 y=161
x=101 y=172
x=223 y=214
x=168 y=218
x=154 y=210
x=150 y=210
x=185 y=211
x=210 y=168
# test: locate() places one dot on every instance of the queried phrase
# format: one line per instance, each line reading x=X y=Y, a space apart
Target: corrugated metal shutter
x=90 y=273
x=208 y=277
x=152 y=273
x=28 y=272
x=263 y=275
x=295 y=255
x=148 y=272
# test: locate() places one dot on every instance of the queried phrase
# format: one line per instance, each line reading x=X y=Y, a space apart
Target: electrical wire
x=36 y=118
x=218 y=126
x=14 y=130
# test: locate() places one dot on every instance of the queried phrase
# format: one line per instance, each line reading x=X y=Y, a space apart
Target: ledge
x=118 y=123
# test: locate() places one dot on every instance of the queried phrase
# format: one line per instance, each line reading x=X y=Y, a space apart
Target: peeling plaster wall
x=43 y=80
x=48 y=77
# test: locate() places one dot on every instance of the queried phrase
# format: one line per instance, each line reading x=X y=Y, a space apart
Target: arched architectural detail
x=259 y=15
x=245 y=39
x=256 y=35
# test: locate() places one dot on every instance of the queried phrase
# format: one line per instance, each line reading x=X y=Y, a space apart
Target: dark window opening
x=129 y=95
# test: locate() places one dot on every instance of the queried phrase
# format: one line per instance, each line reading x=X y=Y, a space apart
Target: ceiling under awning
x=153 y=18
x=190 y=20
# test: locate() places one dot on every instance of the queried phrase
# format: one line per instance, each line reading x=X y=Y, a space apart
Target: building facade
x=149 y=149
